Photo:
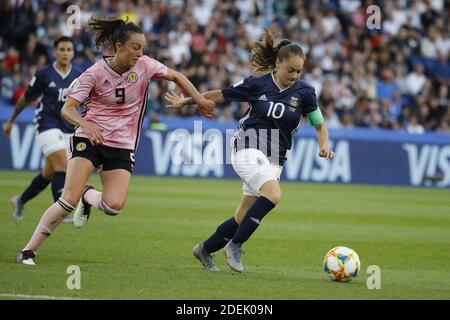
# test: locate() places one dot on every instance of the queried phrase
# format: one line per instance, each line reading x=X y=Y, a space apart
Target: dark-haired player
x=114 y=92
x=52 y=131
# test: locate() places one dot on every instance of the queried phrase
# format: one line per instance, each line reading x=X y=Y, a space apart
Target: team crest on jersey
x=132 y=77
x=81 y=146
x=293 y=102
x=74 y=85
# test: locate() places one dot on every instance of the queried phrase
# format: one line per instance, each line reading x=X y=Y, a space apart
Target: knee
x=68 y=201
x=113 y=206
x=60 y=166
x=271 y=192
x=72 y=195
x=239 y=215
x=47 y=175
x=274 y=196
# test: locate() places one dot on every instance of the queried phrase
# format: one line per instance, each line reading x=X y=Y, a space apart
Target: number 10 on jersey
x=276 y=110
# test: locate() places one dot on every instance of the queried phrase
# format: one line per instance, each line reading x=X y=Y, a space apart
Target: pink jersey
x=116 y=102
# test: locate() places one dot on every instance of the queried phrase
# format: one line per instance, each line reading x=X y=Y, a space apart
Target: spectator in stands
x=333 y=34
x=414 y=127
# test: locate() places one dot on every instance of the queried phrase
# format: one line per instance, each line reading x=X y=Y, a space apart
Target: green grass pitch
x=145 y=253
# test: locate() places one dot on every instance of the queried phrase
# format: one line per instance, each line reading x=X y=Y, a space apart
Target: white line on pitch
x=13 y=295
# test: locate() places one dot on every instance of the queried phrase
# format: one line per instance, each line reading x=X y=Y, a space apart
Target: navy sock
x=221 y=236
x=58 y=184
x=38 y=184
x=252 y=219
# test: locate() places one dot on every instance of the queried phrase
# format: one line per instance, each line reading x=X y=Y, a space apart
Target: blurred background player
x=278 y=100
x=114 y=92
x=52 y=131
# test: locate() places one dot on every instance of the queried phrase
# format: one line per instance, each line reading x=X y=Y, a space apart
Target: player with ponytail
x=113 y=93
x=277 y=101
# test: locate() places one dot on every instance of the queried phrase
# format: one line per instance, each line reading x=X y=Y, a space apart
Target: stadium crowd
x=396 y=76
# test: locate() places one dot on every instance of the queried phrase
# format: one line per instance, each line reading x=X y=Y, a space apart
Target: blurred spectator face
x=289 y=70
x=64 y=52
x=387 y=75
x=347 y=120
x=385 y=105
x=402 y=34
x=443 y=91
x=419 y=69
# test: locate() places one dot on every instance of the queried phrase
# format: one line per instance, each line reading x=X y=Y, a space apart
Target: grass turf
x=145 y=253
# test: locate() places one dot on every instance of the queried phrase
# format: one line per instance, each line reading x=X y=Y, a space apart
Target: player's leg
x=227 y=229
x=53 y=145
x=116 y=175
x=37 y=185
x=116 y=184
x=78 y=172
x=222 y=235
x=58 y=160
x=262 y=178
x=270 y=194
x=111 y=201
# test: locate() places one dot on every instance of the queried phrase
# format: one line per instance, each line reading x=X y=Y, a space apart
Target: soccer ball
x=341 y=264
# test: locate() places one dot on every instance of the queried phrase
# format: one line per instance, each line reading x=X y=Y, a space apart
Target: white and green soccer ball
x=341 y=264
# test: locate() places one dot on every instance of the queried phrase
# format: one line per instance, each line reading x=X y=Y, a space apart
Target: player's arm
x=176 y=101
x=205 y=105
x=316 y=119
x=239 y=92
x=18 y=108
x=70 y=113
x=34 y=90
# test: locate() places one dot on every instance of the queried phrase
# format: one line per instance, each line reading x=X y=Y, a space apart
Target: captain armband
x=315 y=117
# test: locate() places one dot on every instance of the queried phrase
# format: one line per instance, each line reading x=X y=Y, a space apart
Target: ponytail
x=264 y=54
x=111 y=30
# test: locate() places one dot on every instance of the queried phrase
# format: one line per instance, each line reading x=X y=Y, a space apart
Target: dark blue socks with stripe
x=220 y=238
x=230 y=229
x=38 y=184
x=252 y=219
x=58 y=184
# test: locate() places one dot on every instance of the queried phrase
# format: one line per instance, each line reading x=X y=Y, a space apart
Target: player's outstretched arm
x=205 y=106
x=178 y=101
x=92 y=131
x=18 y=108
x=322 y=138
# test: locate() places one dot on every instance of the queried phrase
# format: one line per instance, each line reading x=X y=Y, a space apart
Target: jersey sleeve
x=36 y=86
x=309 y=101
x=311 y=107
x=155 y=68
x=82 y=86
x=241 y=91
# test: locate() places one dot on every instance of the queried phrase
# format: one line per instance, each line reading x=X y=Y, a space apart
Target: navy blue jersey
x=274 y=114
x=49 y=83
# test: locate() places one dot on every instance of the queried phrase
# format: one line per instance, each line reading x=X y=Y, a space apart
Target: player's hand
x=174 y=100
x=326 y=153
x=206 y=107
x=93 y=132
x=7 y=129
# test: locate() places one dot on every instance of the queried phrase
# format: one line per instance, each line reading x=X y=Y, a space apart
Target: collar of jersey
x=58 y=72
x=281 y=90
x=108 y=66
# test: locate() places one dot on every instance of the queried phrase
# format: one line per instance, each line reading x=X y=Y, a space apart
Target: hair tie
x=282 y=44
